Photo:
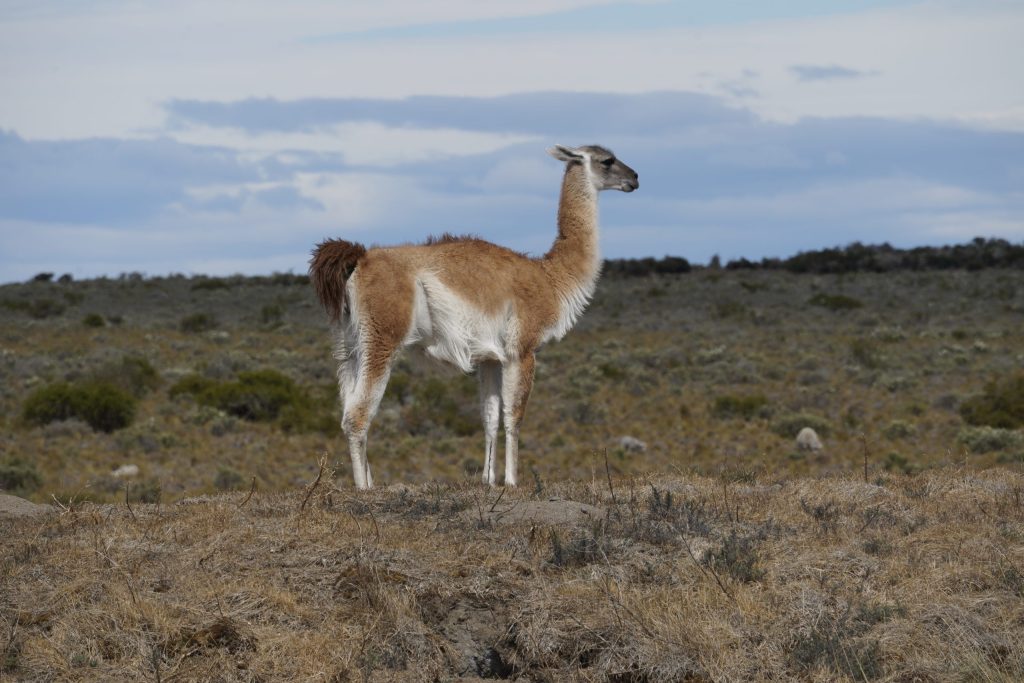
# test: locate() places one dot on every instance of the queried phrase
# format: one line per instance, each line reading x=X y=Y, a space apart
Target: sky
x=221 y=137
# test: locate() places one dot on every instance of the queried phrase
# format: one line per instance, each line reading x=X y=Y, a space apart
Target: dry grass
x=651 y=359
x=645 y=579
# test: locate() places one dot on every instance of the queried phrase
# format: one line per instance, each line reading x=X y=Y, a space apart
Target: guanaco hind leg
x=490 y=410
x=516 y=384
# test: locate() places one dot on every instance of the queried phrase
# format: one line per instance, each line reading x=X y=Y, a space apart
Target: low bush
x=865 y=352
x=744 y=407
x=134 y=374
x=439 y=404
x=835 y=302
x=36 y=308
x=738 y=557
x=197 y=322
x=209 y=283
x=93 y=320
x=987 y=439
x=227 y=479
x=104 y=406
x=271 y=314
x=19 y=477
x=1000 y=405
x=898 y=429
x=260 y=396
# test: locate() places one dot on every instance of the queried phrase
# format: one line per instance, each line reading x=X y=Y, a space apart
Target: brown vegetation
x=642 y=579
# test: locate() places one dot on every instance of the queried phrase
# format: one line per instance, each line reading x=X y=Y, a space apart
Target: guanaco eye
x=607 y=163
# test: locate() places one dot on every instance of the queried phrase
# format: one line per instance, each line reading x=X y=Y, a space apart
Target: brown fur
x=332 y=264
x=537 y=298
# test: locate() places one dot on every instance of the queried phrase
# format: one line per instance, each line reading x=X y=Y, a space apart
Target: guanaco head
x=604 y=170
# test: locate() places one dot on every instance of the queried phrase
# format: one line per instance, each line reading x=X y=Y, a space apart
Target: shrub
x=987 y=439
x=259 y=396
x=36 y=308
x=102 y=405
x=94 y=320
x=227 y=479
x=745 y=407
x=271 y=314
x=192 y=385
x=899 y=462
x=145 y=491
x=138 y=375
x=197 y=322
x=835 y=302
x=134 y=374
x=865 y=353
x=1000 y=405
x=898 y=429
x=790 y=424
x=42 y=277
x=738 y=557
x=18 y=476
x=211 y=283
x=437 y=403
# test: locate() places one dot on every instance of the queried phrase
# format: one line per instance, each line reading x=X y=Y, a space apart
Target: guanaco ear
x=563 y=153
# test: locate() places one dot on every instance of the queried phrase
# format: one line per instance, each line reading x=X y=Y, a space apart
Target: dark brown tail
x=330 y=268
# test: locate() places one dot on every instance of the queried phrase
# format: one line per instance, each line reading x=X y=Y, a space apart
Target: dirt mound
x=554 y=511
x=12 y=507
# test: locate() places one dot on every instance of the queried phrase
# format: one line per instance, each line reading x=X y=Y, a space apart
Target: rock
x=807 y=440
x=126 y=471
x=12 y=507
x=632 y=445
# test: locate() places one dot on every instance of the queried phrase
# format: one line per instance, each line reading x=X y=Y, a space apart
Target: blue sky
x=206 y=137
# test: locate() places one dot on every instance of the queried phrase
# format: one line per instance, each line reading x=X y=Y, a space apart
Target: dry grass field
x=910 y=578
x=710 y=370
x=706 y=546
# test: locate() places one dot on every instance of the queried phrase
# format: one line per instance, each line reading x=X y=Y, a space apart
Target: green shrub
x=899 y=462
x=134 y=374
x=227 y=479
x=261 y=396
x=211 y=283
x=835 y=302
x=1000 y=405
x=37 y=308
x=145 y=491
x=192 y=385
x=19 y=477
x=865 y=352
x=197 y=322
x=898 y=429
x=443 y=404
x=94 y=320
x=790 y=424
x=987 y=439
x=745 y=407
x=271 y=314
x=102 y=405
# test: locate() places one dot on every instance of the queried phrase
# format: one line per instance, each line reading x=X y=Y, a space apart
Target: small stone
x=632 y=445
x=126 y=471
x=807 y=440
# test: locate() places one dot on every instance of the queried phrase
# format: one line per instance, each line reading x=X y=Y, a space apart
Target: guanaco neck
x=574 y=256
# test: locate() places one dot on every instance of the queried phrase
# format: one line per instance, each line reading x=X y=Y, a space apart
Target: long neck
x=575 y=251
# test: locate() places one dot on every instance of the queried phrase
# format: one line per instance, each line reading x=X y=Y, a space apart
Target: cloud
x=107 y=180
x=715 y=178
x=810 y=72
x=547 y=113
